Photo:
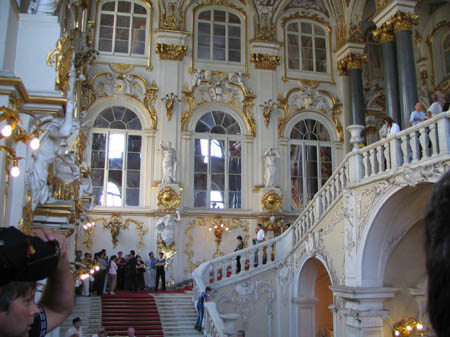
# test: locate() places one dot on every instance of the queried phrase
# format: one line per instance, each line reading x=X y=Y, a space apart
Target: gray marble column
x=390 y=81
x=357 y=96
x=406 y=74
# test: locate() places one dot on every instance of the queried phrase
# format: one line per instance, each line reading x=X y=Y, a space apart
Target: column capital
x=403 y=21
x=171 y=44
x=351 y=61
x=386 y=9
x=384 y=34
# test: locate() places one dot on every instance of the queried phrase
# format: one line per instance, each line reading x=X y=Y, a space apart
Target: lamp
x=218 y=228
x=407 y=327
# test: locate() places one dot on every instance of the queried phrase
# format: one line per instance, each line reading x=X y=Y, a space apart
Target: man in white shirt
x=417 y=115
x=76 y=330
x=436 y=107
x=259 y=239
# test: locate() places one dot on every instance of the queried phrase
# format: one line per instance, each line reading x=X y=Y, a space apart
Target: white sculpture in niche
x=42 y=6
x=59 y=129
x=310 y=99
x=270 y=166
x=166 y=227
x=169 y=163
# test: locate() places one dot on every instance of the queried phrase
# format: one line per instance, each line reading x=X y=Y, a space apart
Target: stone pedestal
x=229 y=321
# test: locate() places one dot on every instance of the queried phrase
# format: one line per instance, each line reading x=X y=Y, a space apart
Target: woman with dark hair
x=392 y=127
x=238 y=258
x=140 y=270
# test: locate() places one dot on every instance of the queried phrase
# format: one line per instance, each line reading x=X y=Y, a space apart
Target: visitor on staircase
x=112 y=275
x=201 y=307
x=150 y=273
x=160 y=272
x=140 y=271
x=76 y=330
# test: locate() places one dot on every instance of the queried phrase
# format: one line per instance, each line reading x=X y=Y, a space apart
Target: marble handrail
x=423 y=142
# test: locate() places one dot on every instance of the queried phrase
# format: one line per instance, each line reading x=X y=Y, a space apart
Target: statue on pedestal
x=270 y=166
x=169 y=163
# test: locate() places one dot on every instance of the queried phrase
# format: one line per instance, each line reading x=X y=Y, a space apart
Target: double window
x=122 y=28
x=306 y=44
x=310 y=161
x=217 y=162
x=116 y=158
x=219 y=36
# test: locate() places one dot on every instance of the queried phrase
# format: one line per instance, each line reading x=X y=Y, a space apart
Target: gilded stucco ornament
x=26 y=222
x=170 y=100
x=355 y=34
x=170 y=52
x=62 y=57
x=115 y=223
x=206 y=223
x=121 y=68
x=267 y=108
x=404 y=21
x=265 y=61
x=384 y=34
x=219 y=87
x=272 y=201
x=174 y=20
x=168 y=198
x=141 y=231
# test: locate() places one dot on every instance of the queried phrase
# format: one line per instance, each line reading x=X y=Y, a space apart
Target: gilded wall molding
x=121 y=85
x=115 y=223
x=62 y=57
x=216 y=87
x=170 y=51
x=309 y=98
x=265 y=61
x=206 y=222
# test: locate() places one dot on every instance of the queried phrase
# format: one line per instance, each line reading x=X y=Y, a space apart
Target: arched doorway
x=314 y=298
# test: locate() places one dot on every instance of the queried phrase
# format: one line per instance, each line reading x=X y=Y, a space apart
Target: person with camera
x=23 y=261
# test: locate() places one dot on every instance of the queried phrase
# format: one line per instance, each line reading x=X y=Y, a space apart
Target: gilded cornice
x=384 y=34
x=404 y=21
x=265 y=61
x=351 y=61
x=170 y=51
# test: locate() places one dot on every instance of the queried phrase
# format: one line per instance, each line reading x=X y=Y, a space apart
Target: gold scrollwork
x=170 y=51
x=265 y=61
x=284 y=107
x=115 y=224
x=265 y=30
x=246 y=106
x=335 y=112
x=189 y=104
x=351 y=61
x=201 y=222
x=141 y=231
x=149 y=102
x=121 y=68
x=403 y=21
x=88 y=238
x=62 y=57
x=272 y=201
x=26 y=222
x=170 y=100
x=168 y=198
x=384 y=34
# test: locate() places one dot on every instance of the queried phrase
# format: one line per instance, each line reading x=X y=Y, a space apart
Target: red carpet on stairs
x=125 y=310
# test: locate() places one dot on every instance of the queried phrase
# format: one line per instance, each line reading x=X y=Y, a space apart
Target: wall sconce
x=406 y=327
x=170 y=100
x=218 y=228
x=267 y=108
x=88 y=229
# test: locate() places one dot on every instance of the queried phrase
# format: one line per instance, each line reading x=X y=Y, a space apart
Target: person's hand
x=48 y=235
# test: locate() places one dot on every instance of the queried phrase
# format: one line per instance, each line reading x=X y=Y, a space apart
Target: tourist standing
x=160 y=272
x=112 y=275
x=150 y=267
x=201 y=308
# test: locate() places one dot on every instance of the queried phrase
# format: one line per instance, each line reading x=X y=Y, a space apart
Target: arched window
x=306 y=47
x=219 y=36
x=446 y=50
x=116 y=158
x=310 y=161
x=217 y=161
x=122 y=28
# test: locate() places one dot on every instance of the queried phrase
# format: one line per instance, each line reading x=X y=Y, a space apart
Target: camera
x=24 y=257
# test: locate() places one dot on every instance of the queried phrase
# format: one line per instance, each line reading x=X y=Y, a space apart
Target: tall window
x=217 y=161
x=306 y=47
x=446 y=49
x=310 y=161
x=219 y=36
x=122 y=28
x=116 y=158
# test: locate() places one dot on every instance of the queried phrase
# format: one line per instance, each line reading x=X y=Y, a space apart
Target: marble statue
x=169 y=163
x=270 y=166
x=166 y=227
x=42 y=6
x=58 y=129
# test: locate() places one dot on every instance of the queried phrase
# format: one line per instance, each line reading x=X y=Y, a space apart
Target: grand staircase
x=177 y=313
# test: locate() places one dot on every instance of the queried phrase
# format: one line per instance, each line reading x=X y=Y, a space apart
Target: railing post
x=396 y=153
x=444 y=134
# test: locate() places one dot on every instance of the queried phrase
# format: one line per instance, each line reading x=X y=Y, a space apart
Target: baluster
x=387 y=155
x=234 y=265
x=223 y=267
x=424 y=141
x=274 y=251
x=414 y=144
x=380 y=159
x=366 y=163
x=395 y=153
x=269 y=253
x=433 y=139
x=254 y=260
x=373 y=166
x=260 y=256
x=405 y=149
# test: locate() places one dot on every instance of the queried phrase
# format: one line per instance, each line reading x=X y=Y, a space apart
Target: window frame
x=227 y=138
x=214 y=64
x=292 y=74
x=129 y=58
x=126 y=133
x=318 y=144
x=446 y=67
